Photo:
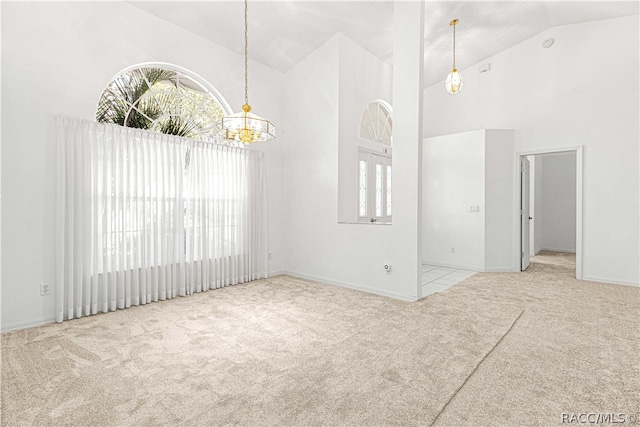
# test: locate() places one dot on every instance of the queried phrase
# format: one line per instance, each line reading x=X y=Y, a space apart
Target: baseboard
x=14 y=326
x=609 y=281
x=350 y=286
x=276 y=273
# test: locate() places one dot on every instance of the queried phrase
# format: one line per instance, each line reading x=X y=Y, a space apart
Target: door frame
x=578 y=150
x=368 y=153
x=525 y=249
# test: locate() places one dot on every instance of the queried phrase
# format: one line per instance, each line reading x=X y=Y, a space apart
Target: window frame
x=376 y=123
x=208 y=89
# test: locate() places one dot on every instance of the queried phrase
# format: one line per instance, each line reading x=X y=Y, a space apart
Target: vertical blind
x=143 y=216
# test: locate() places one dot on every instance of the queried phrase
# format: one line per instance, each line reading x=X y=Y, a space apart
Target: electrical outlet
x=269 y=255
x=45 y=288
x=474 y=208
x=453 y=250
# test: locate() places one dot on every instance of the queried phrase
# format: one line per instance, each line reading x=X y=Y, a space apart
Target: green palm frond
x=155 y=98
x=126 y=91
x=175 y=125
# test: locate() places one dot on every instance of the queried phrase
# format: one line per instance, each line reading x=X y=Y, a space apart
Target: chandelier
x=245 y=126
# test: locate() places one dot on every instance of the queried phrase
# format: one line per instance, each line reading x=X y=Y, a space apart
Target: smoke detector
x=548 y=43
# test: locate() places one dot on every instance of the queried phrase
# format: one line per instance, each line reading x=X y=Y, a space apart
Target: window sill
x=364 y=223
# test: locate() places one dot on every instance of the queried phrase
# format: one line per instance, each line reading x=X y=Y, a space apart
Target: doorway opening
x=550 y=204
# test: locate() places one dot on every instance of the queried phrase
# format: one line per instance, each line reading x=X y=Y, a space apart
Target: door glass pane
x=378 y=190
x=388 y=190
x=362 y=190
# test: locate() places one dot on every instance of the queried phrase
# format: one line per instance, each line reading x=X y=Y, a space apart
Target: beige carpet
x=286 y=351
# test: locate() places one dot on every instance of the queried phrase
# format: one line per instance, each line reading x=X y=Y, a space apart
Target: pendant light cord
x=246 y=53
x=454 y=46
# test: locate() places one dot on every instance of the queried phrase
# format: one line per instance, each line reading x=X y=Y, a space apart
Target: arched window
x=376 y=123
x=166 y=99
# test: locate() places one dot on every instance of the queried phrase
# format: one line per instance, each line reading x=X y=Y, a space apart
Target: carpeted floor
x=495 y=349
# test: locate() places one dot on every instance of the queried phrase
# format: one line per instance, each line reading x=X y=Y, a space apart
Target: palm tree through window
x=164 y=99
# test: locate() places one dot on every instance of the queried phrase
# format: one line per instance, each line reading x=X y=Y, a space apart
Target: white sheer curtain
x=143 y=217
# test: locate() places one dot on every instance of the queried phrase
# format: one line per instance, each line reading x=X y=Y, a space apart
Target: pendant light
x=454 y=79
x=246 y=127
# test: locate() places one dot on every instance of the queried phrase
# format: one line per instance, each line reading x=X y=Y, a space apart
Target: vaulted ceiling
x=281 y=33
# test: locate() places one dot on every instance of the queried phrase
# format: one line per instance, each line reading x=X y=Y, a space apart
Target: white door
x=524 y=213
x=374 y=188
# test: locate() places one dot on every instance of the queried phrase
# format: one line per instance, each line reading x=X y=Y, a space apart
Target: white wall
x=316 y=96
x=499 y=223
x=57 y=57
x=408 y=114
x=453 y=181
x=558 y=202
x=373 y=79
x=461 y=171
x=563 y=97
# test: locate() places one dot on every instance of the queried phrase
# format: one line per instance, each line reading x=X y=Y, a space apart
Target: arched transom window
x=164 y=98
x=376 y=123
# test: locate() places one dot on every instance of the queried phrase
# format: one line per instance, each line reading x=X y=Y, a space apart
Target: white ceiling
x=281 y=33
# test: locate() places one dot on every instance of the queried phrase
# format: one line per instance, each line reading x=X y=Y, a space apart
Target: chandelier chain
x=246 y=53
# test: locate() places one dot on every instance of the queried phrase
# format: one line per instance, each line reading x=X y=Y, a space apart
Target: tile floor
x=436 y=278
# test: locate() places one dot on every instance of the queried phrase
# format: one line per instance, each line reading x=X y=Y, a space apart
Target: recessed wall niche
x=363 y=80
